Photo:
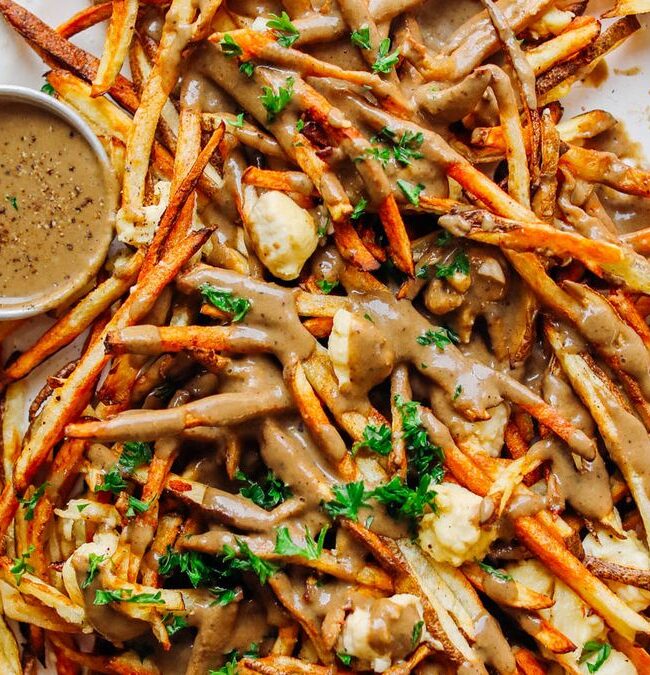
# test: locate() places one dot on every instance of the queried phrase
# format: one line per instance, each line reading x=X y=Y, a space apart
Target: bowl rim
x=39 y=99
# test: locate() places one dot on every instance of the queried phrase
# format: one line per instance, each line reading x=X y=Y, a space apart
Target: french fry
x=118 y=37
x=627 y=7
x=9 y=653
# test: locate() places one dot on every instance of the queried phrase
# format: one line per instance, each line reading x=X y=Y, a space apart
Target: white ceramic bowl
x=18 y=308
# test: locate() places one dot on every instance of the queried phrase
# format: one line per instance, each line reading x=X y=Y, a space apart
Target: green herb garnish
x=113 y=482
x=326 y=286
x=13 y=200
x=312 y=549
x=134 y=454
x=48 y=89
x=416 y=635
x=229 y=47
x=94 y=561
x=104 y=597
x=423 y=272
x=457 y=392
x=440 y=337
x=274 y=102
x=136 y=506
x=600 y=651
x=385 y=61
x=224 y=596
x=410 y=191
x=423 y=455
x=349 y=498
x=493 y=571
x=247 y=67
x=361 y=38
x=226 y=301
x=375 y=438
x=267 y=493
x=406 y=503
x=345 y=659
x=359 y=209
x=239 y=122
x=29 y=503
x=247 y=561
x=285 y=32
x=459 y=265
x=174 y=623
x=21 y=566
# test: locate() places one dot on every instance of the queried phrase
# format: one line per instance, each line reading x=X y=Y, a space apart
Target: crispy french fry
x=627 y=7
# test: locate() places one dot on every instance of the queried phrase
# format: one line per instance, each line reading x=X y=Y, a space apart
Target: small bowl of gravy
x=58 y=197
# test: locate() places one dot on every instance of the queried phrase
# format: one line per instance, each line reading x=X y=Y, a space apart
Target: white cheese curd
x=630 y=552
x=382 y=631
x=453 y=535
x=282 y=233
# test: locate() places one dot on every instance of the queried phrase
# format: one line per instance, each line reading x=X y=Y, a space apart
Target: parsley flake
x=375 y=438
x=48 y=89
x=226 y=301
x=457 y=392
x=423 y=272
x=410 y=191
x=349 y=498
x=13 y=200
x=385 y=60
x=134 y=454
x=359 y=209
x=239 y=122
x=105 y=597
x=274 y=102
x=600 y=651
x=493 y=571
x=416 y=635
x=361 y=38
x=285 y=32
x=174 y=623
x=312 y=549
x=267 y=493
x=440 y=337
x=404 y=502
x=136 y=506
x=229 y=47
x=423 y=456
x=247 y=67
x=224 y=595
x=459 y=265
x=345 y=659
x=113 y=482
x=247 y=561
x=29 y=503
x=326 y=286
x=94 y=561
x=21 y=566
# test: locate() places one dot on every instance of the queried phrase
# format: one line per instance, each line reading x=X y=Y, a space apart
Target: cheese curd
x=361 y=355
x=453 y=535
x=630 y=552
x=282 y=233
x=383 y=630
x=570 y=615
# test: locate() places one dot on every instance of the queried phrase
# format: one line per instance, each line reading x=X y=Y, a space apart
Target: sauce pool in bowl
x=57 y=203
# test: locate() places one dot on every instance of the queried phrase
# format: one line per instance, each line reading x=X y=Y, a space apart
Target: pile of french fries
x=151 y=515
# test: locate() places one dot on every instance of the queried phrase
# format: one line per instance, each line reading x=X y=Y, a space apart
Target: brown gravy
x=57 y=201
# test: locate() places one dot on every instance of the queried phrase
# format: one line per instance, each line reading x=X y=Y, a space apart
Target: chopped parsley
x=229 y=668
x=359 y=209
x=247 y=67
x=21 y=566
x=48 y=89
x=274 y=102
x=224 y=596
x=444 y=238
x=375 y=438
x=29 y=503
x=13 y=200
x=285 y=32
x=300 y=125
x=247 y=561
x=94 y=561
x=440 y=337
x=104 y=597
x=423 y=272
x=405 y=149
x=239 y=122
x=599 y=651
x=81 y=507
x=349 y=498
x=191 y=563
x=345 y=659
x=416 y=635
x=405 y=503
x=326 y=286
x=113 y=482
x=459 y=265
x=385 y=60
x=312 y=549
x=226 y=301
x=497 y=574
x=361 y=38
x=174 y=623
x=267 y=493
x=322 y=228
x=457 y=392
x=410 y=191
x=379 y=153
x=423 y=455
x=134 y=454
x=229 y=47
x=136 y=506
